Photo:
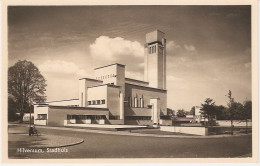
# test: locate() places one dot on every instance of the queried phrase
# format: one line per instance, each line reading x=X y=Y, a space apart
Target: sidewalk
x=127 y=133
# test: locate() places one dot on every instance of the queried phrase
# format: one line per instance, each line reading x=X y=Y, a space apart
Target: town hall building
x=112 y=98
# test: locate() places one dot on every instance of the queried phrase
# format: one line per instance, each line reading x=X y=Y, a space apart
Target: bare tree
x=26 y=85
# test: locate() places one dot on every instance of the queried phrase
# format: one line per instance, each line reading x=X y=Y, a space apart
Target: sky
x=208 y=47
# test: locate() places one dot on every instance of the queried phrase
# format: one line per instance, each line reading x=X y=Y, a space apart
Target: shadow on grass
x=17 y=146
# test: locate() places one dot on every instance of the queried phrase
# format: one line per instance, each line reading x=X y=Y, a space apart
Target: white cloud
x=172 y=45
x=189 y=47
x=61 y=67
x=111 y=49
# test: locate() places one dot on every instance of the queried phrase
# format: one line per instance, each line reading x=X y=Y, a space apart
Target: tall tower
x=155 y=59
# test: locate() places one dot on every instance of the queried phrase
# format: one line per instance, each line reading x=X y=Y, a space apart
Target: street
x=118 y=146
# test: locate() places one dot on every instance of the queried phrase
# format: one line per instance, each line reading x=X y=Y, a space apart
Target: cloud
x=61 y=67
x=172 y=45
x=112 y=49
x=189 y=47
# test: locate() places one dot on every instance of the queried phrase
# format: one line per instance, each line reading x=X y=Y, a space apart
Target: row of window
x=152 y=49
x=138 y=117
x=84 y=117
x=105 y=76
x=96 y=102
x=42 y=117
x=114 y=117
x=136 y=103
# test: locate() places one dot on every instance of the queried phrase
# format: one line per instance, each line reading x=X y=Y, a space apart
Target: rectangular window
x=135 y=102
x=138 y=117
x=114 y=117
x=89 y=102
x=93 y=102
x=130 y=101
x=98 y=101
x=42 y=116
x=141 y=103
x=103 y=101
x=81 y=99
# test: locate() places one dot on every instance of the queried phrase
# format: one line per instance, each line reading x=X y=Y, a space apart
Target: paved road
x=118 y=146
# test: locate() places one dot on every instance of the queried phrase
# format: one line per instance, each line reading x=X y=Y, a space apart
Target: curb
x=60 y=146
x=140 y=134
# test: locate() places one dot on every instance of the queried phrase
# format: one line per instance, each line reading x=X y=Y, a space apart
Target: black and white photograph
x=130 y=82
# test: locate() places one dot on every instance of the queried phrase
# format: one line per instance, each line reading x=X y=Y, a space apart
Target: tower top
x=155 y=36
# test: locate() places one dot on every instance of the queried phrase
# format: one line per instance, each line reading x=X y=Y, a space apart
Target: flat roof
x=156 y=30
x=110 y=85
x=78 y=108
x=90 y=79
x=148 y=87
x=131 y=79
x=45 y=103
x=110 y=65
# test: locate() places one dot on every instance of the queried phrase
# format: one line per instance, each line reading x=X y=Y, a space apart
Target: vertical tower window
x=81 y=99
x=130 y=101
x=135 y=102
x=141 y=103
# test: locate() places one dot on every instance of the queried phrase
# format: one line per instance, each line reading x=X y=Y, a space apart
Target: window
x=135 y=102
x=114 y=117
x=98 y=101
x=138 y=117
x=42 y=116
x=141 y=103
x=130 y=101
x=93 y=102
x=103 y=101
x=89 y=102
x=81 y=99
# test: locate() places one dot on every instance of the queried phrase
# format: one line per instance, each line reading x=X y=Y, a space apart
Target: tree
x=247 y=114
x=170 y=112
x=181 y=113
x=221 y=112
x=232 y=108
x=208 y=108
x=12 y=110
x=192 y=110
x=26 y=85
x=248 y=110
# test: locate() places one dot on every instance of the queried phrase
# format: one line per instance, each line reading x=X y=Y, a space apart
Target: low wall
x=186 y=130
x=236 y=123
x=139 y=122
x=165 y=122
